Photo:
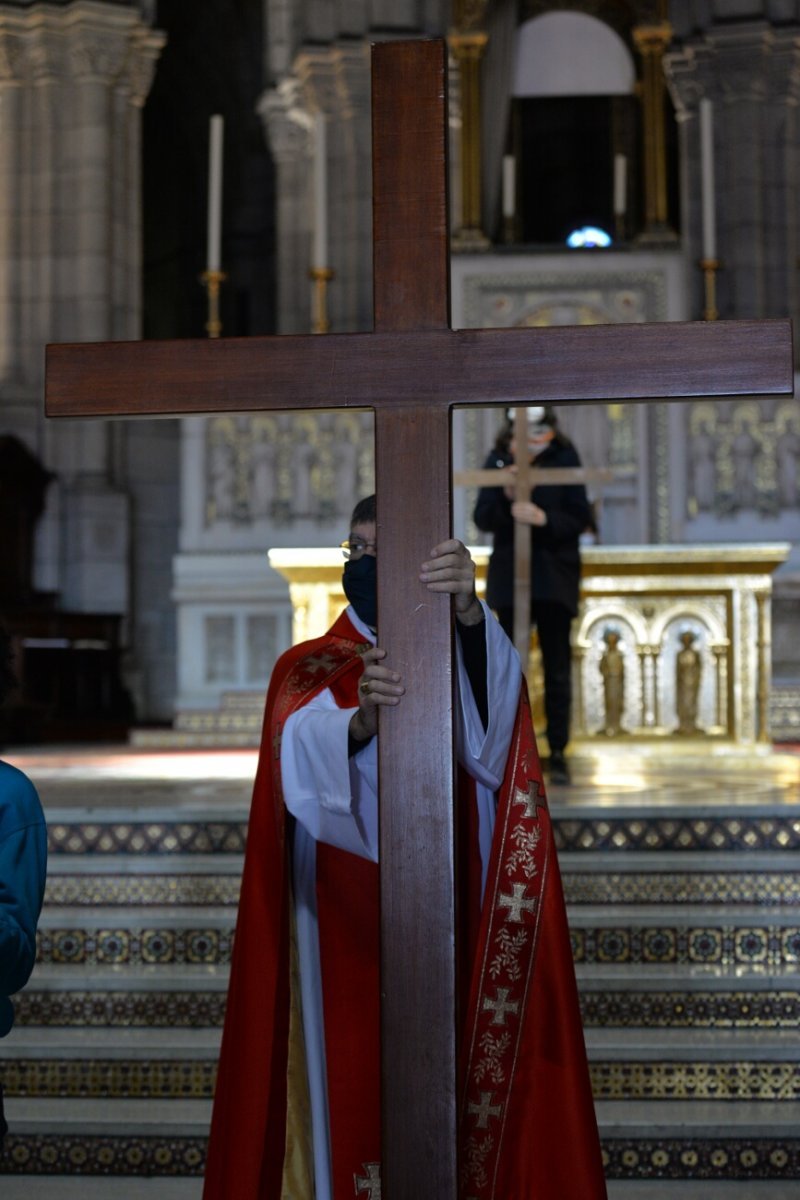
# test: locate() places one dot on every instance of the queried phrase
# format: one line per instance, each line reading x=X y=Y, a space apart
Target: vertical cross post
x=411 y=290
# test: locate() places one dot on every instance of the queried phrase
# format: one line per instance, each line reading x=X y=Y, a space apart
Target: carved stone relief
x=285 y=467
x=744 y=456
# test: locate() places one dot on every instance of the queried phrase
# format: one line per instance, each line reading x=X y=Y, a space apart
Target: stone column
x=780 y=150
x=288 y=125
x=752 y=74
x=72 y=82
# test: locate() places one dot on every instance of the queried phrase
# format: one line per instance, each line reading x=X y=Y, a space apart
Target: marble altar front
x=671 y=647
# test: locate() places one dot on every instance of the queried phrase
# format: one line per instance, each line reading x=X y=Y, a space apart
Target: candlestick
x=709 y=267
x=319 y=250
x=211 y=280
x=707 y=179
x=215 y=132
x=320 y=278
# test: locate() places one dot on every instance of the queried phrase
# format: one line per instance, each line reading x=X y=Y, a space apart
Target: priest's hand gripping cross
x=412 y=370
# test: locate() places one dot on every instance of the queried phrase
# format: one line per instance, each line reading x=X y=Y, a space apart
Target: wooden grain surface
x=489 y=366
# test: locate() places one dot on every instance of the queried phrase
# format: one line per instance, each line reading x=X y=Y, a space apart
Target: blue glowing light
x=589 y=237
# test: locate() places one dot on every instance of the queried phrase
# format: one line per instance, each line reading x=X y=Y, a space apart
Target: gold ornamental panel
x=671 y=646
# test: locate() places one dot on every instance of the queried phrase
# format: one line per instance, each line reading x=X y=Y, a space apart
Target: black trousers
x=3 y=1126
x=553 y=622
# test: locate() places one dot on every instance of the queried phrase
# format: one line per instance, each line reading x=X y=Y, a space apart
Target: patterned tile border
x=99 y=1078
x=115 y=1009
x=53 y=1154
x=176 y=1079
x=675 y=945
x=746 y=1081
x=664 y=1009
x=771 y=888
x=701 y=1158
x=147 y=837
x=134 y=947
x=624 y=1158
x=678 y=833
x=690 y=1010
x=748 y=832
x=143 y=890
x=752 y=945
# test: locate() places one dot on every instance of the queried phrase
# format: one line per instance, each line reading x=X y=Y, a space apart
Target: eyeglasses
x=355 y=548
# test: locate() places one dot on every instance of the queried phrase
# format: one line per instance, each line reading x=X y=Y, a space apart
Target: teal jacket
x=23 y=868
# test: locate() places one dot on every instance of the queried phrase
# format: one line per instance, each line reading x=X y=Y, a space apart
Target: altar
x=671 y=646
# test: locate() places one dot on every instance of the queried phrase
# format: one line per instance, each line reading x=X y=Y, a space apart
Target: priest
x=297 y=1105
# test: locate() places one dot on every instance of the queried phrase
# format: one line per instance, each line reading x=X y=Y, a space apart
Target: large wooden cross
x=412 y=370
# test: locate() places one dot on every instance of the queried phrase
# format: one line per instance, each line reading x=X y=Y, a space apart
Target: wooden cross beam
x=412 y=370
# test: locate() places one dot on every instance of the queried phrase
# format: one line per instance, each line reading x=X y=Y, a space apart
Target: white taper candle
x=707 y=179
x=215 y=131
x=319 y=250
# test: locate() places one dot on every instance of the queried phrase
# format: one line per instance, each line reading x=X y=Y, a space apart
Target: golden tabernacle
x=671 y=647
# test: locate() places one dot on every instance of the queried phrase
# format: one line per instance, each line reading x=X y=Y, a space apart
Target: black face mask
x=360 y=583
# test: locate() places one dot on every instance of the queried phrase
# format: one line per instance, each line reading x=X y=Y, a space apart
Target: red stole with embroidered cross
x=527 y=1121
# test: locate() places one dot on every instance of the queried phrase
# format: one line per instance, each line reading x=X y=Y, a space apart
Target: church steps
x=738 y=879
x=149 y=830
x=145 y=883
x=693 y=1140
x=686 y=935
x=142 y=832
x=773 y=825
x=691 y=1044
x=143 y=897
x=703 y=1118
x=190 y=997
x=132 y=937
x=119 y=1137
x=117 y=1063
x=85 y=1187
x=756 y=1065
x=666 y=1189
x=147 y=1117
x=24 y=1042
x=648 y=996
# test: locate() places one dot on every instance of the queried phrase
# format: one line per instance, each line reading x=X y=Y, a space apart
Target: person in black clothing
x=557 y=517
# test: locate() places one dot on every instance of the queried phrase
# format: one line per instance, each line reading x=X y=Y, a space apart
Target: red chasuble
x=528 y=1129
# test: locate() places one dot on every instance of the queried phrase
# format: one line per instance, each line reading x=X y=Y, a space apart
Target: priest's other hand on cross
x=448 y=570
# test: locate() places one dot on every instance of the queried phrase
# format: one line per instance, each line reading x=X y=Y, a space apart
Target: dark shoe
x=558 y=770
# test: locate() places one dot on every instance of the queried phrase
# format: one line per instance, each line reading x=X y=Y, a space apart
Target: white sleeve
x=483 y=752
x=333 y=796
